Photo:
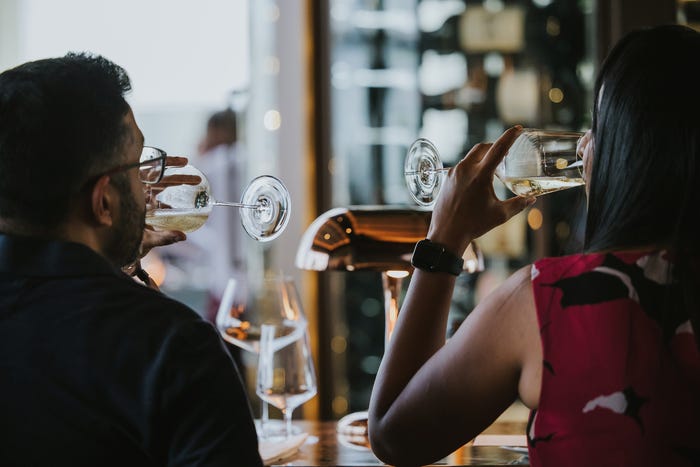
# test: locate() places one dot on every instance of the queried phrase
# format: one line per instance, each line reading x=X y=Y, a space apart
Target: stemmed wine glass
x=183 y=200
x=286 y=375
x=538 y=162
x=247 y=305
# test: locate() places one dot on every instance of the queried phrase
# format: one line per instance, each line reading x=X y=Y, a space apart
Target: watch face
x=433 y=257
x=425 y=255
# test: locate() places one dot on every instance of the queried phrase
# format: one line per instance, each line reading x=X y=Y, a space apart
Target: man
x=96 y=369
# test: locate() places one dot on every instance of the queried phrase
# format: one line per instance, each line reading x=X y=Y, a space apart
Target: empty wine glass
x=246 y=305
x=183 y=200
x=286 y=375
x=538 y=162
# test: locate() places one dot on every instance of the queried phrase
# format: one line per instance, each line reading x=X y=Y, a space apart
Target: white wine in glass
x=183 y=200
x=538 y=162
x=286 y=375
x=247 y=305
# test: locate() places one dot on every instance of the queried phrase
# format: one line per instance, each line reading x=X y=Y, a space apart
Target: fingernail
x=518 y=127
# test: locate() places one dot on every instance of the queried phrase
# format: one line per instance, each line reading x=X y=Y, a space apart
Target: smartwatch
x=434 y=257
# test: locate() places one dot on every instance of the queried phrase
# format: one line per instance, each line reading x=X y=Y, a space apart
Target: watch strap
x=435 y=257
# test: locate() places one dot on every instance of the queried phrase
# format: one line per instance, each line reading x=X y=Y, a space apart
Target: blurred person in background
x=222 y=159
x=602 y=346
x=95 y=368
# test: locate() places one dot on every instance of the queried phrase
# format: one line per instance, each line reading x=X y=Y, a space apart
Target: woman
x=599 y=345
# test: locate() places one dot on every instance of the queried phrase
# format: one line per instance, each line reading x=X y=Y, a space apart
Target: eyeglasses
x=151 y=165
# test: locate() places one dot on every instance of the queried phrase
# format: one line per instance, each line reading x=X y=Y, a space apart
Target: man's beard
x=125 y=240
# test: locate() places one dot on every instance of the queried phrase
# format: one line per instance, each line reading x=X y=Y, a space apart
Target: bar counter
x=324 y=447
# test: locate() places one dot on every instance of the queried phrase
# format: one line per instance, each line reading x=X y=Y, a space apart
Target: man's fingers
x=154 y=238
x=157 y=205
x=178 y=179
x=176 y=161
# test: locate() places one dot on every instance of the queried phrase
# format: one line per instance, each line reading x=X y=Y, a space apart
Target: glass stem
x=287 y=422
x=426 y=171
x=235 y=205
x=264 y=416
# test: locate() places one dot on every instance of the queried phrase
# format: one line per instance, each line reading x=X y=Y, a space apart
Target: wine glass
x=286 y=376
x=538 y=162
x=246 y=305
x=183 y=200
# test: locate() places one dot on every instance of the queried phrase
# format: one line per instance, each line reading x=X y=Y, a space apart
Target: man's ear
x=103 y=202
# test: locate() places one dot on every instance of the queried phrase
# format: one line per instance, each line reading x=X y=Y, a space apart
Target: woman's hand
x=584 y=149
x=467 y=206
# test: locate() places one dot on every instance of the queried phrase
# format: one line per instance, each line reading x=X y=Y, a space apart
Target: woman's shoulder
x=579 y=263
x=567 y=260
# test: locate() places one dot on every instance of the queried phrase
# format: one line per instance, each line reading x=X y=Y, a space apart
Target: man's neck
x=67 y=233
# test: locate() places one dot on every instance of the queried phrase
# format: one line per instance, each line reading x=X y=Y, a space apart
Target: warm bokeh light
x=534 y=218
x=553 y=26
x=562 y=230
x=154 y=266
x=272 y=120
x=340 y=405
x=556 y=95
x=339 y=344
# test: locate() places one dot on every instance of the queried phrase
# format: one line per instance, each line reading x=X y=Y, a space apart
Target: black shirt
x=97 y=370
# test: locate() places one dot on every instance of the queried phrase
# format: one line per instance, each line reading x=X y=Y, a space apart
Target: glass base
x=267 y=221
x=274 y=429
x=352 y=431
x=353 y=424
x=423 y=172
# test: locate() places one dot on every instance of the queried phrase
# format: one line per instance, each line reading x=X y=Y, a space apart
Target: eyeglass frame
x=161 y=158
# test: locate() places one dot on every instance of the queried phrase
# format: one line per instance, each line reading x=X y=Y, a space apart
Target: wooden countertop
x=324 y=447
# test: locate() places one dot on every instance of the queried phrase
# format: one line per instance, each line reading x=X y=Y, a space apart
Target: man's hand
x=153 y=190
x=151 y=239
x=154 y=238
x=176 y=179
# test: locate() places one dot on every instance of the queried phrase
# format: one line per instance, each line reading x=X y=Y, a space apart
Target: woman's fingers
x=477 y=152
x=500 y=147
x=517 y=204
x=583 y=143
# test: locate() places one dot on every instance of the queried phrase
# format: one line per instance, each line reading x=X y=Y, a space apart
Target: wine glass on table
x=286 y=376
x=538 y=162
x=248 y=304
x=182 y=200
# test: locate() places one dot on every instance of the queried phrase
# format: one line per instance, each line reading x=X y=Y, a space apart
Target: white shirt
x=221 y=238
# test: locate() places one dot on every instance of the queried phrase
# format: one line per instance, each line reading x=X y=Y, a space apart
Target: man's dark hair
x=61 y=123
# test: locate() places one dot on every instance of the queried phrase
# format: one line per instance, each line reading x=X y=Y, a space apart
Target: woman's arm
x=430 y=397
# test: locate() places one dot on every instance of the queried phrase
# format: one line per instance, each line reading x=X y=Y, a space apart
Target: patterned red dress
x=621 y=371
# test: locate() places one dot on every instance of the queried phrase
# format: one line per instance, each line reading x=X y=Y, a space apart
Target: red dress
x=621 y=371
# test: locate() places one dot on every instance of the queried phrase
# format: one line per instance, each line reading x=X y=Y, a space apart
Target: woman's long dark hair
x=643 y=186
